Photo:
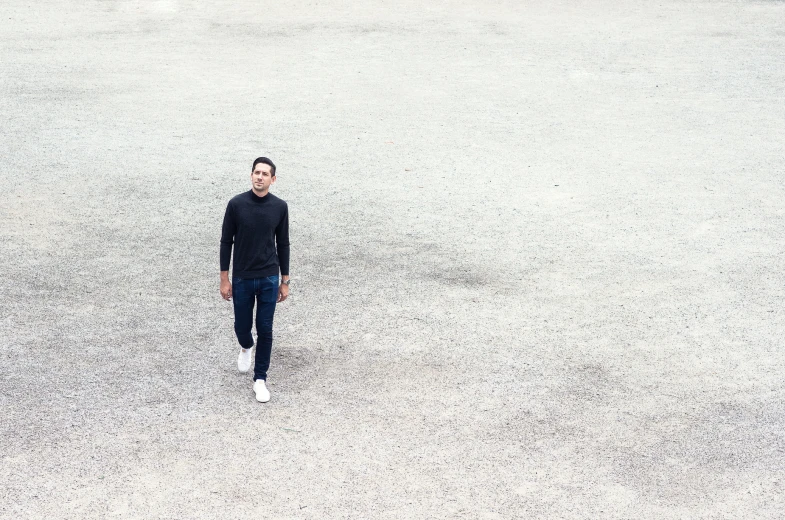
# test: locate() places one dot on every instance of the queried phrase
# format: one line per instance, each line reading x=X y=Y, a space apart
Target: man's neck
x=260 y=194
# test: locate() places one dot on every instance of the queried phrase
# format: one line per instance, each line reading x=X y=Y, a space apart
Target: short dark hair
x=264 y=160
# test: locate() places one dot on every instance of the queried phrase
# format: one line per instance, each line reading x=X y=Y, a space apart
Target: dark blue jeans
x=264 y=292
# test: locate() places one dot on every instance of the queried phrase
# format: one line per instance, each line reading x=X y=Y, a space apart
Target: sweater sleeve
x=228 y=231
x=282 y=242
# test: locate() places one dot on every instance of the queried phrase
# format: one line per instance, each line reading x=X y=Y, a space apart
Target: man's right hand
x=226 y=290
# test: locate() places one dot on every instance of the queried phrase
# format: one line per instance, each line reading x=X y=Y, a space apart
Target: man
x=257 y=224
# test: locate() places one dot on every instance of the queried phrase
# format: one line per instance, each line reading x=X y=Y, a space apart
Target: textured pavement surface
x=537 y=252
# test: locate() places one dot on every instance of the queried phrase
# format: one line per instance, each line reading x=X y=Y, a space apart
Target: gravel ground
x=537 y=252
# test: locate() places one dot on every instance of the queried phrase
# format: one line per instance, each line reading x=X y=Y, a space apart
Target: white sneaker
x=244 y=360
x=262 y=394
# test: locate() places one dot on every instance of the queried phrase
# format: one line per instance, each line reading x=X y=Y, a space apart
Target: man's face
x=261 y=178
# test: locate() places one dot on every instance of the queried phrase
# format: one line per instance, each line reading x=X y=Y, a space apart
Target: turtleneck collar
x=257 y=198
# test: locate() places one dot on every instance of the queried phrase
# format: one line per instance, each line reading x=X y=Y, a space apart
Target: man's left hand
x=283 y=292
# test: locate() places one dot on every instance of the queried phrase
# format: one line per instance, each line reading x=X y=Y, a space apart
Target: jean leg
x=243 y=300
x=265 y=311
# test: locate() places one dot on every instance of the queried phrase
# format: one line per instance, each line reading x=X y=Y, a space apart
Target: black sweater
x=255 y=225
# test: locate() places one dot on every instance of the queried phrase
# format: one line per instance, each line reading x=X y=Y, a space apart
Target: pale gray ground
x=537 y=254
